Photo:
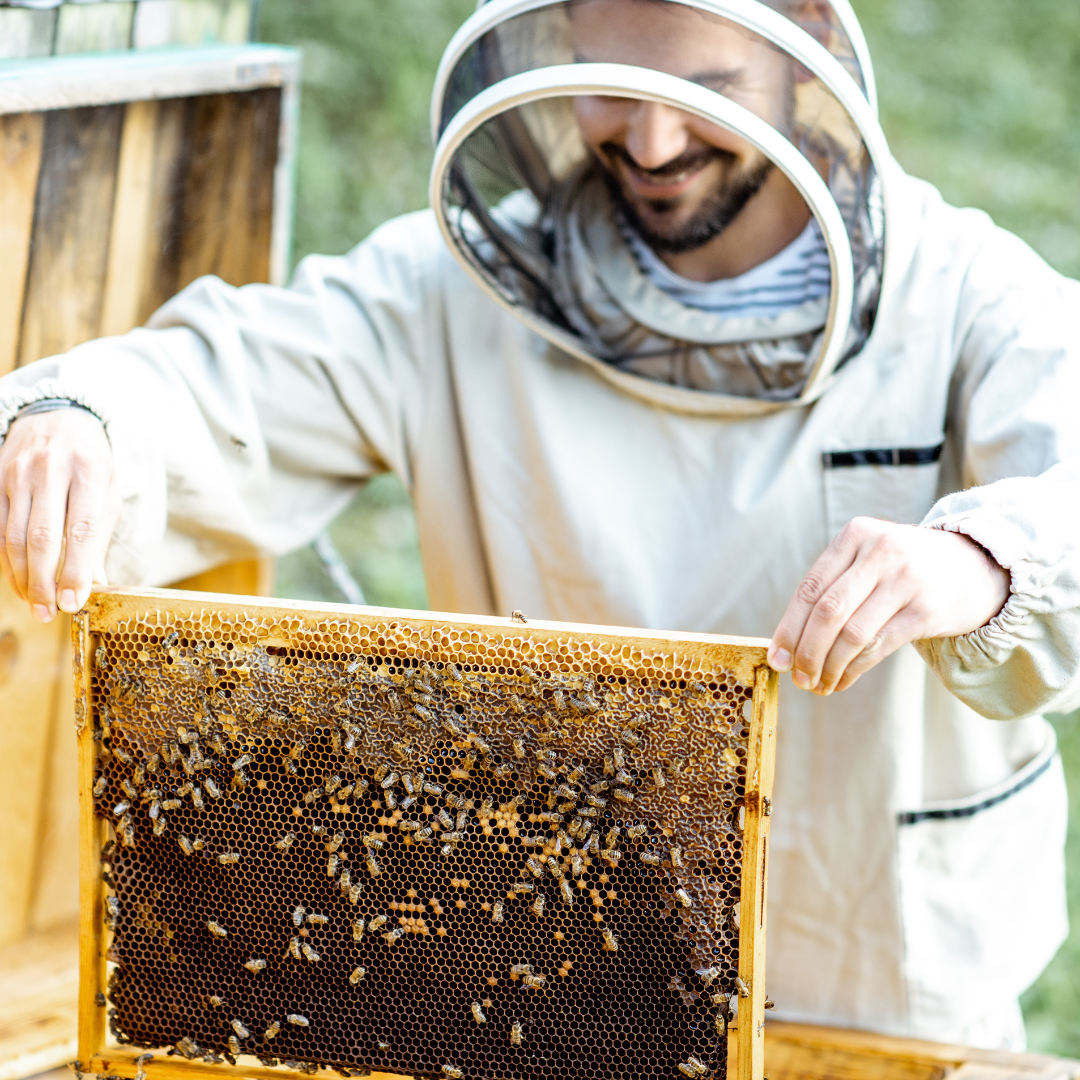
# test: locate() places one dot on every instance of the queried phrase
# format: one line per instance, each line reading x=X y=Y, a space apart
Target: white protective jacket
x=917 y=870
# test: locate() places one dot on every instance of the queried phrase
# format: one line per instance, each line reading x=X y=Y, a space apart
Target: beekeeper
x=678 y=346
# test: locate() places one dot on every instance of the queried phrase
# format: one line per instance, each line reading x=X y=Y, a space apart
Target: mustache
x=691 y=161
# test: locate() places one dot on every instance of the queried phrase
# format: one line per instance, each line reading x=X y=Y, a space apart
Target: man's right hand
x=57 y=484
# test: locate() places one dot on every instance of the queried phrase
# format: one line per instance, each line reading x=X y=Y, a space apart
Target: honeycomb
x=368 y=842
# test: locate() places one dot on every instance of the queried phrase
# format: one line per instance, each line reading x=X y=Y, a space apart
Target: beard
x=715 y=213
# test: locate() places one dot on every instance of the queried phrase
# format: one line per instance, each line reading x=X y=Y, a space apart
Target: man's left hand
x=878 y=586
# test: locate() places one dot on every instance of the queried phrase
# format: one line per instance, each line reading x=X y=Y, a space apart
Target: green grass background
x=982 y=97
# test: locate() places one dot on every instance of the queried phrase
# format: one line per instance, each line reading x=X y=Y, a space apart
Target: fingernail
x=800 y=679
x=68 y=601
x=43 y=613
x=779 y=659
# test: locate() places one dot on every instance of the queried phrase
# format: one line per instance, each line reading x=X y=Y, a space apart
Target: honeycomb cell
x=361 y=846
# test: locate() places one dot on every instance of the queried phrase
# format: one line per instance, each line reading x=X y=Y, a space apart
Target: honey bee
x=628 y=738
x=382 y=1045
x=332 y=865
x=143 y=1059
x=357 y=974
x=241 y=761
x=345 y=880
x=211 y=787
x=196 y=798
x=408 y=783
x=684 y=898
x=577 y=865
x=517 y=1033
x=298 y=1020
x=675 y=855
x=452 y=837
x=345 y=792
x=650 y=858
x=159 y=825
x=451 y=1072
x=216 y=929
x=377 y=923
x=335 y=740
x=744 y=990
x=294 y=948
x=567 y=891
x=612 y=857
x=318 y=920
x=272 y=1031
x=497 y=911
x=432 y=789
x=445 y=820
x=354 y=893
x=624 y=796
x=675 y=765
x=99 y=657
x=310 y=955
x=373 y=865
x=550 y=816
x=406 y=825
x=171 y=804
x=658 y=778
x=390 y=799
x=554 y=867
x=537 y=906
x=234 y=1047
x=215 y=1002
x=522 y=886
x=121 y=808
x=255 y=966
x=535 y=982
x=535 y=866
x=424 y=833
x=611 y=940
x=186 y=846
x=241 y=1031
x=592 y=846
x=298 y=916
x=408 y=802
x=153 y=762
x=335 y=844
x=618 y=759
x=100 y=785
x=394 y=935
x=588 y=812
x=455 y=802
x=317 y=830
x=129 y=790
x=389 y=780
x=285 y=842
x=613 y=834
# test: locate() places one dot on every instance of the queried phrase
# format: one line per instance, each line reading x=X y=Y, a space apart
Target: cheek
x=720 y=137
x=601 y=119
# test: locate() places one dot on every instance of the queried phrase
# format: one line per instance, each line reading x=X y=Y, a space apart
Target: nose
x=655 y=134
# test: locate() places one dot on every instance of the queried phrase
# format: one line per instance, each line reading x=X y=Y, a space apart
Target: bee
x=394 y=935
x=636 y=832
x=229 y=858
x=624 y=796
x=710 y=975
x=310 y=955
x=214 y=1002
x=446 y=850
x=650 y=858
x=357 y=974
x=129 y=790
x=354 y=893
x=592 y=845
x=294 y=948
x=618 y=759
x=477 y=1013
x=684 y=898
x=333 y=784
x=451 y=1072
x=693 y=1068
x=567 y=891
x=345 y=880
x=345 y=792
x=153 y=762
x=382 y=1045
x=234 y=1047
x=159 y=825
x=390 y=799
x=425 y=833
x=744 y=990
x=171 y=804
x=332 y=865
x=675 y=766
x=521 y=969
x=318 y=920
x=313 y=794
x=241 y=1031
x=518 y=746
x=588 y=812
x=298 y=1020
x=537 y=906
x=100 y=785
x=522 y=886
x=535 y=982
x=611 y=940
x=675 y=855
x=255 y=966
x=112 y=907
x=241 y=761
x=317 y=830
x=612 y=857
x=628 y=738
x=272 y=1031
x=452 y=837
x=455 y=802
x=186 y=846
x=405 y=825
x=216 y=929
x=197 y=799
x=432 y=789
x=577 y=865
x=377 y=923
x=658 y=778
x=99 y=657
x=373 y=865
x=285 y=842
x=121 y=808
x=211 y=787
x=535 y=866
x=335 y=844
x=408 y=802
x=554 y=867
x=143 y=1059
x=462 y=820
x=298 y=916
x=408 y=783
x=613 y=835
x=517 y=1033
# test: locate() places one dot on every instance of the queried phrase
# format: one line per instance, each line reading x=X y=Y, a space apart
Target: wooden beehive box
x=122 y=178
x=417 y=844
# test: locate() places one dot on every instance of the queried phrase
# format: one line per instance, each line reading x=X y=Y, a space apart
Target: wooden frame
x=111 y=611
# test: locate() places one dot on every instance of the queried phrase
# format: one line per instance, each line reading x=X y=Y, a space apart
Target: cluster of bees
x=576 y=824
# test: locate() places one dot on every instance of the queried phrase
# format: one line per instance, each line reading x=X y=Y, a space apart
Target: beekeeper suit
x=590 y=435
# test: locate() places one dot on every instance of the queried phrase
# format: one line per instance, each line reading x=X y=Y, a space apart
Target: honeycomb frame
x=685 y=723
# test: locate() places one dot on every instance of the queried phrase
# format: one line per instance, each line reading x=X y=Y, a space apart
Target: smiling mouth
x=669 y=181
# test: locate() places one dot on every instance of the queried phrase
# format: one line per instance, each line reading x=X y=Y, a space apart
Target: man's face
x=680 y=180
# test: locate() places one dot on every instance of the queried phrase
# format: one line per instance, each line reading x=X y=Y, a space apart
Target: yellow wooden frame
x=745 y=658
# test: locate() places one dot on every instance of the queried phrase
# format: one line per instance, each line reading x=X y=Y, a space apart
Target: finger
x=898 y=631
x=5 y=562
x=860 y=635
x=44 y=542
x=87 y=534
x=18 y=514
x=833 y=562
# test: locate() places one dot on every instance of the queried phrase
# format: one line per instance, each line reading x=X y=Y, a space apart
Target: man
x=696 y=355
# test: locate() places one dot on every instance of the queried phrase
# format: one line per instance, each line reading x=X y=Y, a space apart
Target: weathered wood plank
x=72 y=223
x=20 y=162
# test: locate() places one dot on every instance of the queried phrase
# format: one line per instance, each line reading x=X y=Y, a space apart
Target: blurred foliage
x=981 y=97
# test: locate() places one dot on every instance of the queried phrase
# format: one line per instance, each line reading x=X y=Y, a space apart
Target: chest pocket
x=894 y=484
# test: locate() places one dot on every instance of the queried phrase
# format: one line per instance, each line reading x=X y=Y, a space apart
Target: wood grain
x=72 y=225
x=20 y=161
x=252 y=577
x=27 y=700
x=125 y=274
